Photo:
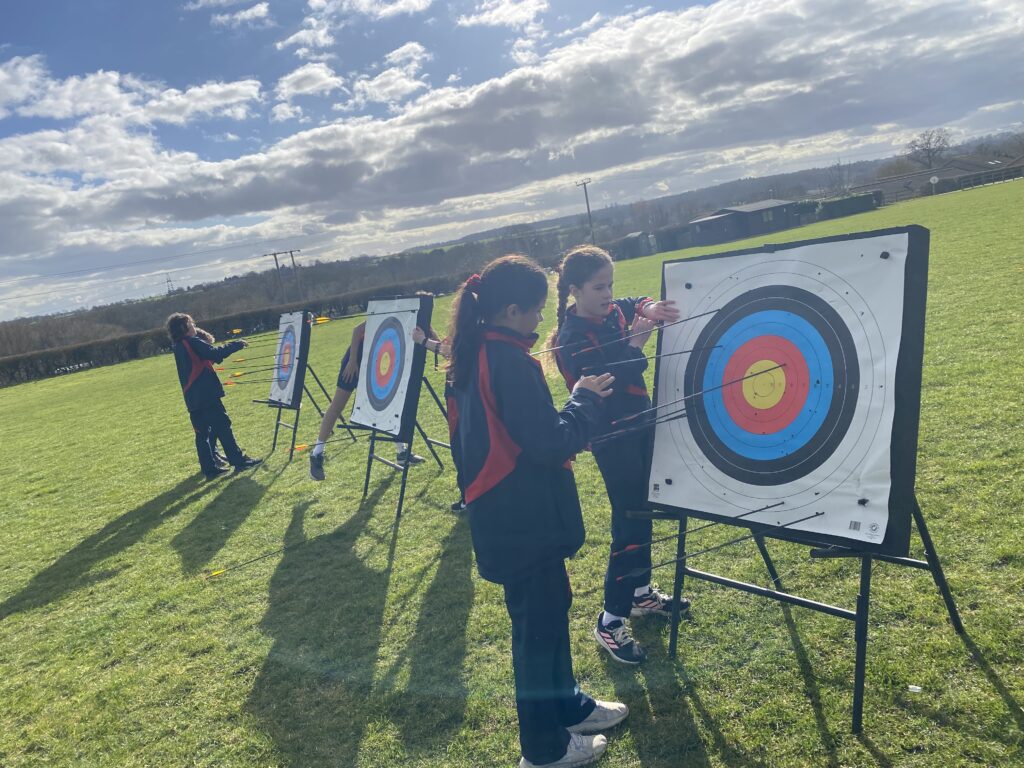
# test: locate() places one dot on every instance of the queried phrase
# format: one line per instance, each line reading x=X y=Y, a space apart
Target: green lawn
x=352 y=642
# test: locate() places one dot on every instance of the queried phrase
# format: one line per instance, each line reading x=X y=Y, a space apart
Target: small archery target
x=285 y=356
x=779 y=372
x=789 y=394
x=289 y=371
x=386 y=362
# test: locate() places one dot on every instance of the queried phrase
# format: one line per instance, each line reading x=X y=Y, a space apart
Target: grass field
x=336 y=639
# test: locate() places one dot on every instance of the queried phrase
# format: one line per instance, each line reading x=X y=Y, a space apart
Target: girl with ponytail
x=513 y=451
x=596 y=334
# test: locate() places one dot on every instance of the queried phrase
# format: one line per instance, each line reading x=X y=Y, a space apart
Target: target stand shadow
x=288 y=382
x=796 y=415
x=391 y=375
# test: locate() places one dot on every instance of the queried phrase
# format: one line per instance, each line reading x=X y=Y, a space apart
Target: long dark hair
x=512 y=279
x=579 y=264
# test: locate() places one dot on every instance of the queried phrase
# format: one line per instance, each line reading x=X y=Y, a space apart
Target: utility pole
x=277 y=264
x=583 y=183
x=295 y=270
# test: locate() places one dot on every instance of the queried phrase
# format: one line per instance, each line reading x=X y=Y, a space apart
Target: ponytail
x=512 y=279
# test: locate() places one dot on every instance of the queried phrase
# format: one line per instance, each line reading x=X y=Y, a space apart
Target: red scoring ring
x=389 y=347
x=766 y=421
x=286 y=358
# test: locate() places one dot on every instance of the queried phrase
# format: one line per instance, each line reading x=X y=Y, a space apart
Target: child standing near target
x=204 y=393
x=590 y=338
x=513 y=451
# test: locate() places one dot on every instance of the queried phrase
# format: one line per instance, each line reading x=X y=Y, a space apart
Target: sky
x=181 y=140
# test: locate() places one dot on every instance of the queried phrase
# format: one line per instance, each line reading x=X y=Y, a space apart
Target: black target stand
x=376 y=436
x=859 y=616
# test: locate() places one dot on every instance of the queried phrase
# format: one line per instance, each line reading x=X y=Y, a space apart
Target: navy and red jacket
x=578 y=357
x=513 y=452
x=199 y=382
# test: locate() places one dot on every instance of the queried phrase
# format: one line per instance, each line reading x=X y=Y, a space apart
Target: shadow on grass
x=811 y=690
x=431 y=707
x=199 y=541
x=72 y=570
x=325 y=613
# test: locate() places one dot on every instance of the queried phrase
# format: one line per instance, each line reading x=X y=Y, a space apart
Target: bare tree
x=838 y=182
x=928 y=147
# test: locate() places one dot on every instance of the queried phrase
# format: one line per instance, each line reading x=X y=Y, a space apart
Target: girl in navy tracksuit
x=590 y=339
x=513 y=452
x=203 y=392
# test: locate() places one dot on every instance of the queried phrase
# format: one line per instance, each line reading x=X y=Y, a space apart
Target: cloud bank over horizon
x=356 y=130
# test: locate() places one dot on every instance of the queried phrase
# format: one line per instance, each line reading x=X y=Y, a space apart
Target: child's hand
x=418 y=335
x=445 y=350
x=600 y=385
x=351 y=370
x=661 y=312
x=244 y=343
x=641 y=332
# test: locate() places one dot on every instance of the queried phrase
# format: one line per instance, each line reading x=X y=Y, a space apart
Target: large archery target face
x=386 y=364
x=287 y=359
x=789 y=394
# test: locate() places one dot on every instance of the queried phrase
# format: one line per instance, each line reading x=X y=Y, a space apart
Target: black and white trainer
x=656 y=603
x=615 y=639
x=316 y=466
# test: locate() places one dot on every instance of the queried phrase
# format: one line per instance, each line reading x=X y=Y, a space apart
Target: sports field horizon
x=332 y=639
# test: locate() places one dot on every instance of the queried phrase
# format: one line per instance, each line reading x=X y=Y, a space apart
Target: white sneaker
x=582 y=750
x=607 y=714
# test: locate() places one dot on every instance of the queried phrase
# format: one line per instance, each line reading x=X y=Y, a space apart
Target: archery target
x=387 y=379
x=386 y=363
x=290 y=360
x=789 y=395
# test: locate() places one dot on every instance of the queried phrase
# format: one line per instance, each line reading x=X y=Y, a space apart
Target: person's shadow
x=325 y=613
x=432 y=705
x=73 y=570
x=208 y=531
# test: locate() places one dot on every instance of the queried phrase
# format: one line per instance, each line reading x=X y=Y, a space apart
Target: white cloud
x=586 y=26
x=377 y=9
x=679 y=99
x=309 y=79
x=524 y=52
x=231 y=100
x=196 y=5
x=257 y=15
x=98 y=93
x=316 y=33
x=284 y=111
x=326 y=16
x=504 y=13
x=20 y=78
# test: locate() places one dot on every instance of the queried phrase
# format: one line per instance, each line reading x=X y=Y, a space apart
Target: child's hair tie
x=473 y=283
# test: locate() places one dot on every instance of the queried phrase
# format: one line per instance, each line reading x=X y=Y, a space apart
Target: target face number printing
x=790 y=394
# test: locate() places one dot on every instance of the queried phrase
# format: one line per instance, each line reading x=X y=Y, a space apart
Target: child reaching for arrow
x=589 y=339
x=204 y=393
x=513 y=451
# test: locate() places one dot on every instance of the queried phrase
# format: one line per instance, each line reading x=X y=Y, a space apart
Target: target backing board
x=289 y=373
x=802 y=392
x=391 y=369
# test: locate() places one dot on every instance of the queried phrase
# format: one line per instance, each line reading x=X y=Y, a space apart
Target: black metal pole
x=369 y=463
x=860 y=634
x=936 y=568
x=677 y=588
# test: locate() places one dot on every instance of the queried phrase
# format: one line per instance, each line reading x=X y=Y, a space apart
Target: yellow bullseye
x=385 y=364
x=764 y=391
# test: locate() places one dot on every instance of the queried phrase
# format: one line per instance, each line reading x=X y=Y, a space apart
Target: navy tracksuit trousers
x=548 y=698
x=212 y=424
x=623 y=465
